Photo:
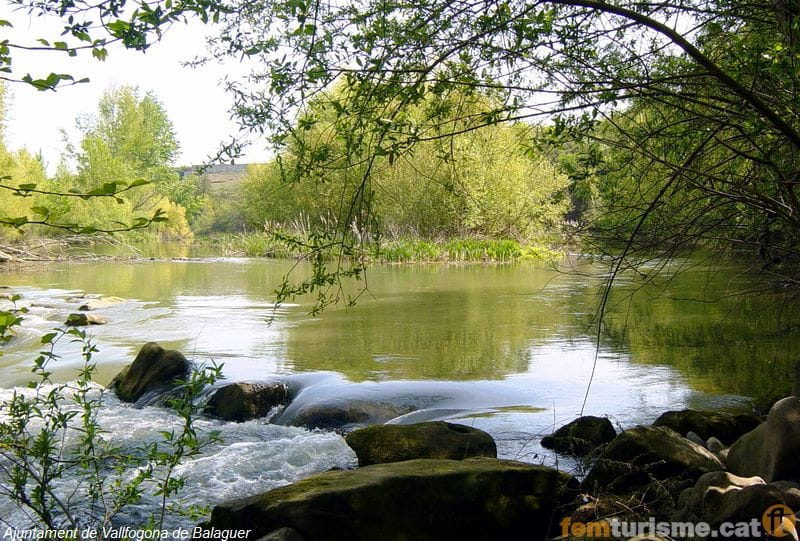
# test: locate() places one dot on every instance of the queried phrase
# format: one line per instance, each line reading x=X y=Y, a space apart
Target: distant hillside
x=217 y=179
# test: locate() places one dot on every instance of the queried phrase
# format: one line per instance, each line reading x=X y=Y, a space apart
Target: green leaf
x=41 y=211
x=48 y=338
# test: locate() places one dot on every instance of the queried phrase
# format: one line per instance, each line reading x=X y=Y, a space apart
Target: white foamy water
x=251 y=458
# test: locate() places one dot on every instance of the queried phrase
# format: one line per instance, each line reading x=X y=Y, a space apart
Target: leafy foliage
x=94 y=28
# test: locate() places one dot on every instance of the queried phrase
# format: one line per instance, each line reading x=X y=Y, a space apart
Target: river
x=509 y=349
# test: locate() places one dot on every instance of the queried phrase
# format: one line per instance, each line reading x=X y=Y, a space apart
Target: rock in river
x=243 y=401
x=153 y=370
x=380 y=444
x=82 y=320
x=424 y=500
x=581 y=436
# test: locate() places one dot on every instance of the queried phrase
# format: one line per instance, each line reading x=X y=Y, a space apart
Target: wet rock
x=380 y=444
x=724 y=426
x=424 y=500
x=82 y=320
x=771 y=450
x=99 y=304
x=644 y=454
x=714 y=445
x=153 y=370
x=243 y=401
x=581 y=436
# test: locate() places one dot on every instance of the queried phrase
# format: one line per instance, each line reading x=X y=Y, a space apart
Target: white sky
x=193 y=98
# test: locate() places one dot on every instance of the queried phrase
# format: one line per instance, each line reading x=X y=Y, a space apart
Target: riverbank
x=400 y=250
x=273 y=246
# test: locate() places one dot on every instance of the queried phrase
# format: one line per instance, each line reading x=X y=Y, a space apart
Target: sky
x=194 y=99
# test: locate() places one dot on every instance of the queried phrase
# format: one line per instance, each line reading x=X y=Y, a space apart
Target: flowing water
x=509 y=349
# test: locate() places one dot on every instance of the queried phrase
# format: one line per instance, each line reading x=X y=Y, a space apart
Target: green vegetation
x=401 y=250
x=124 y=179
x=489 y=183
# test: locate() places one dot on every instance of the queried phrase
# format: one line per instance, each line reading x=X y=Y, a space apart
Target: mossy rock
x=83 y=320
x=424 y=500
x=380 y=444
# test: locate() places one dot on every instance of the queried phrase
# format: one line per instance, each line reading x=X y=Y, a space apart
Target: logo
x=779 y=521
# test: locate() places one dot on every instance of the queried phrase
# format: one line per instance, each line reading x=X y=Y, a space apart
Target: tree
x=702 y=96
x=489 y=183
x=131 y=142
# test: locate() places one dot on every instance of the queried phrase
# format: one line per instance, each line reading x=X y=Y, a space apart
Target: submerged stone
x=243 y=401
x=98 y=304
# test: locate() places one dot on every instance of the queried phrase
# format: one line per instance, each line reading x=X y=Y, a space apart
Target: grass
x=408 y=250
x=402 y=250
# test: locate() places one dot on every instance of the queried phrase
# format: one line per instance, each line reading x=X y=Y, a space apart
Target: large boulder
x=379 y=444
x=644 y=454
x=726 y=427
x=581 y=436
x=243 y=401
x=423 y=500
x=771 y=450
x=153 y=371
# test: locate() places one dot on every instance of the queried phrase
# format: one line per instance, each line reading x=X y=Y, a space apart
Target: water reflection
x=474 y=322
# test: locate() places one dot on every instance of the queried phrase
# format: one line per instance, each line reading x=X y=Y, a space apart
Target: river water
x=510 y=349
